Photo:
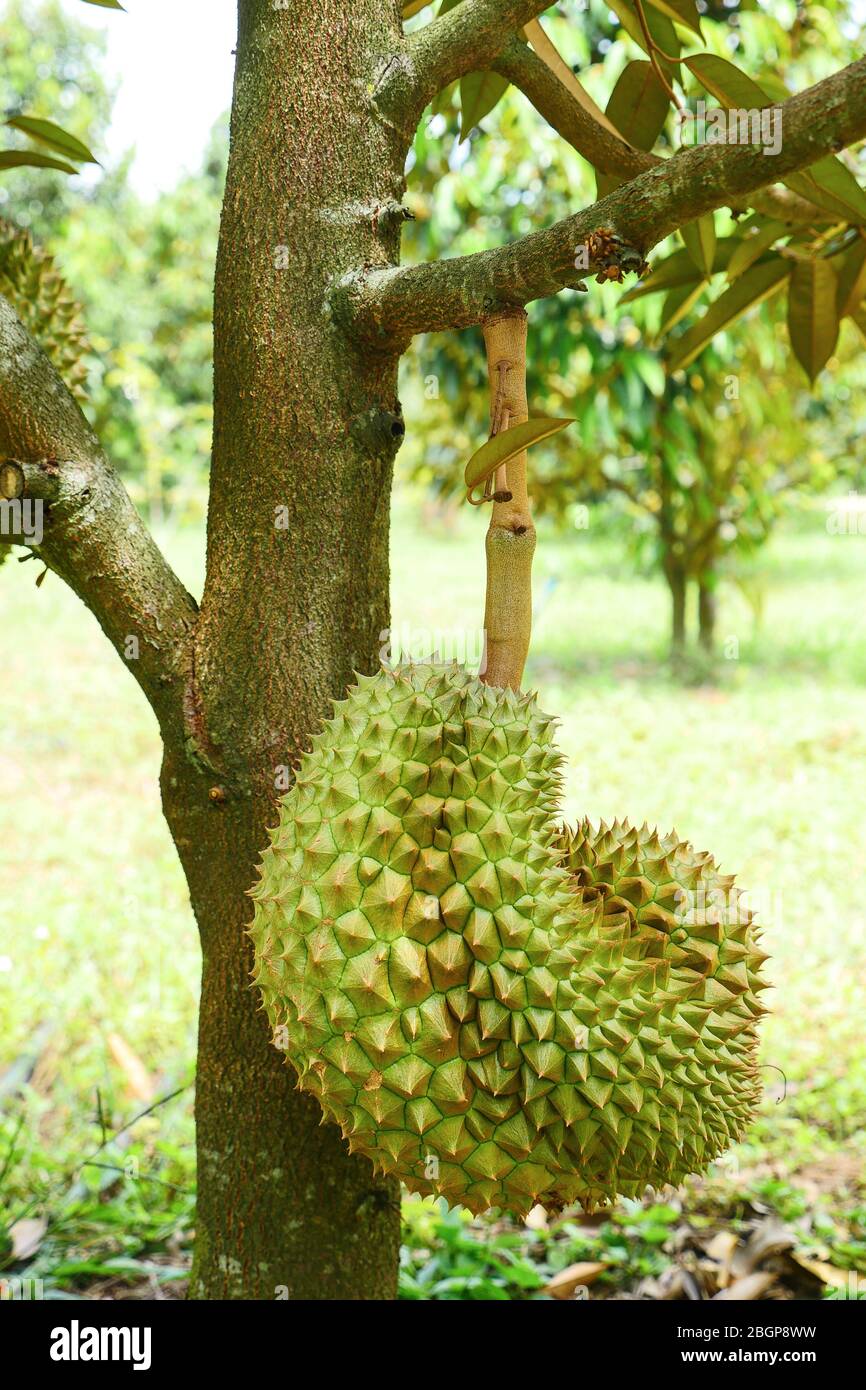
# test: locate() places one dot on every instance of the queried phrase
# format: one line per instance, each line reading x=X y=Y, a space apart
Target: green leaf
x=637 y=110
x=507 y=445
x=758 y=238
x=106 y=4
x=661 y=30
x=851 y=275
x=752 y=288
x=639 y=104
x=52 y=135
x=680 y=269
x=682 y=11
x=677 y=304
x=829 y=183
x=813 y=326
x=479 y=93
x=33 y=159
x=700 y=241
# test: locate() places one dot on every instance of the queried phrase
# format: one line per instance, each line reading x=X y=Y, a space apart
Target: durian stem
x=510 y=542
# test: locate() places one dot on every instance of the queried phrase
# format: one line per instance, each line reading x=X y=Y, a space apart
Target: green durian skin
x=491 y=1008
x=43 y=302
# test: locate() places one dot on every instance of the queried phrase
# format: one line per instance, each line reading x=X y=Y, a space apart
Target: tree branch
x=386 y=307
x=81 y=522
x=465 y=39
x=604 y=151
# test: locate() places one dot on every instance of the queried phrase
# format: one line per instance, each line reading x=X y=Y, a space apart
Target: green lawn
x=764 y=766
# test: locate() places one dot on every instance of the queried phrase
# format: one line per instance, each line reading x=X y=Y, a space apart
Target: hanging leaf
x=758 y=238
x=829 y=183
x=507 y=445
x=662 y=32
x=700 y=241
x=52 y=135
x=413 y=7
x=682 y=11
x=106 y=4
x=752 y=288
x=680 y=269
x=851 y=274
x=638 y=108
x=677 y=304
x=639 y=104
x=32 y=159
x=549 y=54
x=479 y=93
x=813 y=326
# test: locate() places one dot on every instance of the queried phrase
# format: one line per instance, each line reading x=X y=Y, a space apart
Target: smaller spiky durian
x=43 y=302
x=673 y=962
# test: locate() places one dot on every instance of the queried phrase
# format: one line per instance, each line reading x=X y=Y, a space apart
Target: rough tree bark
x=311 y=315
x=707 y=614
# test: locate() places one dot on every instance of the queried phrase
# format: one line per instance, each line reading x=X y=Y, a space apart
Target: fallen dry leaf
x=563 y=1284
x=27 y=1236
x=140 y=1083
x=828 y=1274
x=746 y=1290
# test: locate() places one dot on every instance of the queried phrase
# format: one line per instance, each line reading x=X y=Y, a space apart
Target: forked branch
x=82 y=523
x=465 y=39
x=386 y=307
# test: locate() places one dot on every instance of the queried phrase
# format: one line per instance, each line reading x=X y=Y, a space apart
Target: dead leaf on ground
x=828 y=1274
x=140 y=1083
x=563 y=1284
x=746 y=1290
x=27 y=1236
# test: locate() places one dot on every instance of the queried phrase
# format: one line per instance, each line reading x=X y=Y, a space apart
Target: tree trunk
x=707 y=614
x=296 y=599
x=676 y=578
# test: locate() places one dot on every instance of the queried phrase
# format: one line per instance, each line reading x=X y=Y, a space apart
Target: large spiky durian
x=489 y=1007
x=43 y=302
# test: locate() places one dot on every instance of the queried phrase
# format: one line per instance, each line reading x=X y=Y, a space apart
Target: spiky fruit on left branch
x=43 y=302
x=490 y=1008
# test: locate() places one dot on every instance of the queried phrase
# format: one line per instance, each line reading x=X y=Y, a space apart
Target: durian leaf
x=680 y=269
x=682 y=12
x=752 y=288
x=549 y=54
x=33 y=159
x=507 y=445
x=660 y=26
x=852 y=279
x=479 y=93
x=753 y=245
x=677 y=304
x=813 y=326
x=638 y=108
x=639 y=104
x=47 y=133
x=829 y=183
x=106 y=4
x=700 y=242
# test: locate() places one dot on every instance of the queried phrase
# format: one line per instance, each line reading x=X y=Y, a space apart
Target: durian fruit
x=42 y=301
x=489 y=1007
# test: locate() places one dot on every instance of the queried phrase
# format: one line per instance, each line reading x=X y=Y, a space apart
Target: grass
x=763 y=764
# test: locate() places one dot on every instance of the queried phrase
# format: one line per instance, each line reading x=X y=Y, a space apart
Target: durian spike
x=510 y=542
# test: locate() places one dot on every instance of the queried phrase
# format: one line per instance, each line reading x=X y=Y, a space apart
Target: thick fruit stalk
x=510 y=543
